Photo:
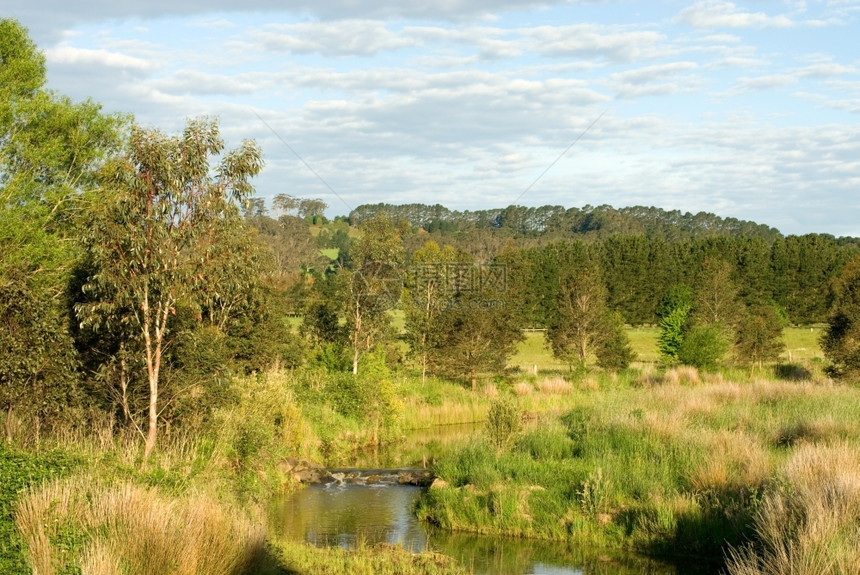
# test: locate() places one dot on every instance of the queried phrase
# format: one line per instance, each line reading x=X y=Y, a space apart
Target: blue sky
x=745 y=109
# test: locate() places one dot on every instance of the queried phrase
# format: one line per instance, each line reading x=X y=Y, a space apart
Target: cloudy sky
x=748 y=109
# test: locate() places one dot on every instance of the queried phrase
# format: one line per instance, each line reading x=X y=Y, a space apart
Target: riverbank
x=662 y=462
x=675 y=465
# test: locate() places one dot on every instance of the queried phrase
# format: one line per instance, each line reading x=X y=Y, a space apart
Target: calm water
x=341 y=515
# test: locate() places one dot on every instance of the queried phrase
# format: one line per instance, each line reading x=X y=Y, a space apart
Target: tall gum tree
x=375 y=285
x=148 y=232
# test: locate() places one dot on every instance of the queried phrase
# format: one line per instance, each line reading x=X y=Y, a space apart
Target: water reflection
x=416 y=448
x=341 y=515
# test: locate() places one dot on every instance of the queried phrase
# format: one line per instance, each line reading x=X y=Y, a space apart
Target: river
x=344 y=514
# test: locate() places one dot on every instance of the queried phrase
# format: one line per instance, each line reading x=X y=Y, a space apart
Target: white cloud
x=592 y=41
x=468 y=110
x=341 y=38
x=200 y=83
x=746 y=85
x=64 y=54
x=720 y=14
x=656 y=80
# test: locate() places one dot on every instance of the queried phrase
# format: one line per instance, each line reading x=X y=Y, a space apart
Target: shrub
x=503 y=421
x=614 y=351
x=703 y=347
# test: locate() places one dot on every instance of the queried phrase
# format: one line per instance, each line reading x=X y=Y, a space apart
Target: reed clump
x=128 y=529
x=554 y=386
x=809 y=524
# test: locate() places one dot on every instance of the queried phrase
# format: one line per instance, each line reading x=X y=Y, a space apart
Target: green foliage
x=50 y=150
x=759 y=336
x=841 y=340
x=37 y=359
x=475 y=334
x=19 y=470
x=614 y=351
x=673 y=322
x=703 y=346
x=715 y=299
x=157 y=230
x=504 y=420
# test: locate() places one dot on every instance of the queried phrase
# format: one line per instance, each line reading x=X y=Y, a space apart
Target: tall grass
x=667 y=468
x=99 y=528
x=810 y=524
x=381 y=559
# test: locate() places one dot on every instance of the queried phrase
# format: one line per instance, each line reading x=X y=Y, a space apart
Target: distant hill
x=588 y=222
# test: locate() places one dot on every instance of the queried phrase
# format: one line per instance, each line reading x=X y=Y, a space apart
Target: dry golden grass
x=683 y=374
x=523 y=388
x=490 y=390
x=554 y=386
x=736 y=460
x=812 y=526
x=138 y=528
x=649 y=377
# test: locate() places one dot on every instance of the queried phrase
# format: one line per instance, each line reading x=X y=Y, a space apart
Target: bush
x=614 y=351
x=703 y=347
x=503 y=421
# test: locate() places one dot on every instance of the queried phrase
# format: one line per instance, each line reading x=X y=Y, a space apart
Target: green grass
x=643 y=340
x=330 y=253
x=382 y=559
x=802 y=348
x=802 y=344
x=19 y=470
x=532 y=351
x=665 y=468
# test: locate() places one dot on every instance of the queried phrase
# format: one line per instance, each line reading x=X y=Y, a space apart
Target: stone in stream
x=317 y=475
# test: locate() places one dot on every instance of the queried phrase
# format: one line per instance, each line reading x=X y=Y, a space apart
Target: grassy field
x=683 y=464
x=802 y=348
x=727 y=466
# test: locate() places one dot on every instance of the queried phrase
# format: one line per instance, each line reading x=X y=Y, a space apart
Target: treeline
x=642 y=252
x=558 y=222
x=138 y=274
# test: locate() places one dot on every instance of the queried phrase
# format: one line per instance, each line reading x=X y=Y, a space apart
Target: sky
x=747 y=109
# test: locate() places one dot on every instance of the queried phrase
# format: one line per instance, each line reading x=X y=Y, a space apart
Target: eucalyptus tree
x=375 y=286
x=426 y=290
x=580 y=324
x=150 y=231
